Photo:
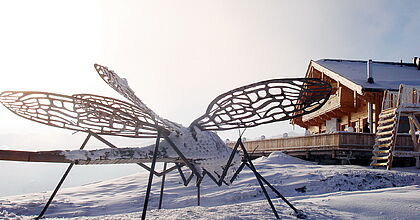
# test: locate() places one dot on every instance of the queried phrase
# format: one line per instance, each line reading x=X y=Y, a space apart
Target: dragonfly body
x=204 y=149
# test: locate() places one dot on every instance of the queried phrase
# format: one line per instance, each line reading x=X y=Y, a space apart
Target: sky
x=179 y=55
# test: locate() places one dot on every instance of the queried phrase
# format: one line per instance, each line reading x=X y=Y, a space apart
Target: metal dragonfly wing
x=264 y=102
x=81 y=112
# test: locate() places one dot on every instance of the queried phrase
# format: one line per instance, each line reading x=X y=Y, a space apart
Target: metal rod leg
x=225 y=170
x=61 y=181
x=181 y=174
x=275 y=191
x=162 y=186
x=55 y=192
x=237 y=172
x=149 y=184
x=259 y=179
x=189 y=179
x=198 y=190
x=266 y=196
x=211 y=176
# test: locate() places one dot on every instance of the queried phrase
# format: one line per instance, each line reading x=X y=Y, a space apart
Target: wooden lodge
x=344 y=128
x=358 y=90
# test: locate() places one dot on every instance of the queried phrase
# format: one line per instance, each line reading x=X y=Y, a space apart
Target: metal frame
x=150 y=169
x=248 y=106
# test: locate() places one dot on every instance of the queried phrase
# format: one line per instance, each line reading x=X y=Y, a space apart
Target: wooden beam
x=337 y=77
x=331 y=114
x=324 y=117
x=415 y=123
x=369 y=97
x=29 y=156
x=413 y=133
x=317 y=120
x=355 y=99
x=58 y=157
x=349 y=119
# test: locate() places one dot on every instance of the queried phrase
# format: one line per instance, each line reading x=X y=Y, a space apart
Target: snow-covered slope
x=326 y=192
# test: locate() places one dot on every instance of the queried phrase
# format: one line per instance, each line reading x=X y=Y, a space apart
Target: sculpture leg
x=258 y=179
x=232 y=155
x=149 y=184
x=162 y=186
x=238 y=171
x=198 y=183
x=198 y=194
x=181 y=174
x=157 y=173
x=274 y=189
x=61 y=182
x=184 y=180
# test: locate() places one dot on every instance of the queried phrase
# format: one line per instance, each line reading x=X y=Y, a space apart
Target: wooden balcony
x=338 y=104
x=339 y=145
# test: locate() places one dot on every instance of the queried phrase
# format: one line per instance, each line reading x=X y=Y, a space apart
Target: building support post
x=370 y=116
x=415 y=125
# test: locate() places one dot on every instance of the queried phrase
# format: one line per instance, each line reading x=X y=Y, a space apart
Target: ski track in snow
x=321 y=191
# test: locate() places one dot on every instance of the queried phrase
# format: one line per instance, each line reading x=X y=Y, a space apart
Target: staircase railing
x=405 y=102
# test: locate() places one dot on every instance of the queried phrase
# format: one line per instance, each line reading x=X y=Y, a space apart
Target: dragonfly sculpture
x=197 y=146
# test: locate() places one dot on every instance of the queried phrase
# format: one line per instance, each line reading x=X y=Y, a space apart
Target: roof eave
x=348 y=83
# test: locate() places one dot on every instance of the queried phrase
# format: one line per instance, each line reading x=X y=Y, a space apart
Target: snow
x=321 y=191
x=205 y=149
x=385 y=75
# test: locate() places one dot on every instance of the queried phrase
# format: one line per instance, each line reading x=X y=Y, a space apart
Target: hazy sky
x=179 y=55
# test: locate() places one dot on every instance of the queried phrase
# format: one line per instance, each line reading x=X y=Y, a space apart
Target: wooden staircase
x=405 y=102
x=385 y=138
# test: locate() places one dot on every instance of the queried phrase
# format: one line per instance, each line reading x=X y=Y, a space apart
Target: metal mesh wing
x=145 y=120
x=264 y=102
x=80 y=113
x=121 y=86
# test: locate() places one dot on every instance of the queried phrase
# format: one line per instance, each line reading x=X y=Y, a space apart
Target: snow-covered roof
x=386 y=75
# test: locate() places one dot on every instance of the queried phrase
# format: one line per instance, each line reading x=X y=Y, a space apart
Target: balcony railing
x=331 y=141
x=333 y=103
x=406 y=97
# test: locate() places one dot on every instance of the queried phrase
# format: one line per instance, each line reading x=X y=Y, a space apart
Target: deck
x=331 y=148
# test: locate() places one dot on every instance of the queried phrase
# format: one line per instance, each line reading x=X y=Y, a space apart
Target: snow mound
x=355 y=180
x=282 y=158
x=9 y=215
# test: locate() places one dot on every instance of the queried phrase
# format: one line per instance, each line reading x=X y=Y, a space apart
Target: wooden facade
x=347 y=107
